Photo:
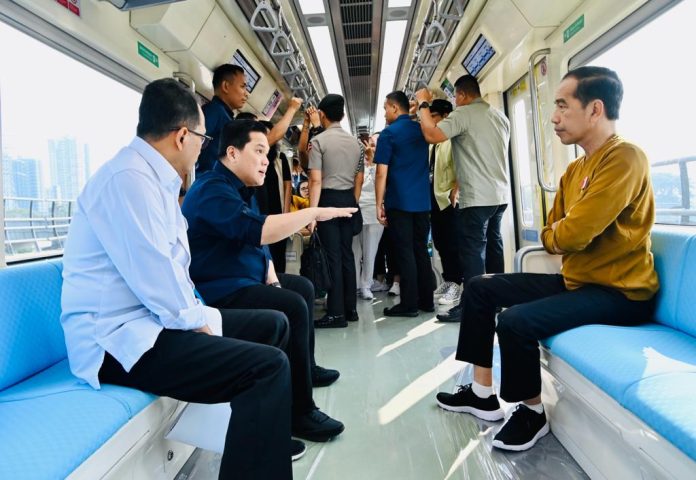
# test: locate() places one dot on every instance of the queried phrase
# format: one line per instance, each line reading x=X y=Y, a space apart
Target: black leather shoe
x=352 y=316
x=427 y=308
x=453 y=315
x=323 y=377
x=329 y=321
x=400 y=311
x=316 y=426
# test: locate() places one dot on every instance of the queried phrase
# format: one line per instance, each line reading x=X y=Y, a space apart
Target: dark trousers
x=538 y=306
x=384 y=260
x=446 y=241
x=409 y=232
x=243 y=367
x=337 y=239
x=295 y=299
x=480 y=242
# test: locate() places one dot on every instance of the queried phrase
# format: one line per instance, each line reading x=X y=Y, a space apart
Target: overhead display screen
x=252 y=76
x=478 y=56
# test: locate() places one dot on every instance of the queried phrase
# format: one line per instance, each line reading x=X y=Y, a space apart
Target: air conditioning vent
x=131 y=4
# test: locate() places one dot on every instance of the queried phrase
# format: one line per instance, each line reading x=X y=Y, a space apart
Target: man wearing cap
x=336 y=161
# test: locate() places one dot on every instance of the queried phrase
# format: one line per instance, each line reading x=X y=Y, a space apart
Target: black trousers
x=480 y=242
x=244 y=367
x=278 y=254
x=337 y=239
x=538 y=306
x=295 y=300
x=384 y=260
x=409 y=232
x=446 y=240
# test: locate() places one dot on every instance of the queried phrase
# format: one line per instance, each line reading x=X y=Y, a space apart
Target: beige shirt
x=338 y=155
x=480 y=136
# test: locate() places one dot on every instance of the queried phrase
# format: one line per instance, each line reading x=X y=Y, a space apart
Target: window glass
x=60 y=121
x=657 y=69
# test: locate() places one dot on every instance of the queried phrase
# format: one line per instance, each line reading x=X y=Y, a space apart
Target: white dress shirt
x=126 y=262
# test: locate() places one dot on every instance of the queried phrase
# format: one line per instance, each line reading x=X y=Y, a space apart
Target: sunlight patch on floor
x=425 y=328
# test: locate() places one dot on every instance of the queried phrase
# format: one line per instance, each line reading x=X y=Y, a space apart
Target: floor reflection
x=391 y=369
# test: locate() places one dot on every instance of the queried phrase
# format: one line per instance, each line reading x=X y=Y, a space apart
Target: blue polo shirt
x=217 y=115
x=403 y=148
x=224 y=234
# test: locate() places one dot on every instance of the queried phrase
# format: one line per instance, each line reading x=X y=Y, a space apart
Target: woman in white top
x=366 y=242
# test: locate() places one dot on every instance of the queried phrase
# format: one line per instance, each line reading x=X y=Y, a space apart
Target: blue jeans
x=480 y=241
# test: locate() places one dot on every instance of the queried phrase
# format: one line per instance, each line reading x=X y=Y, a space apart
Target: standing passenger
x=128 y=309
x=480 y=135
x=600 y=223
x=335 y=180
x=402 y=170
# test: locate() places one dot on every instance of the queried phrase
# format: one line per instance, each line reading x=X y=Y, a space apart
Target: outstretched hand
x=329 y=213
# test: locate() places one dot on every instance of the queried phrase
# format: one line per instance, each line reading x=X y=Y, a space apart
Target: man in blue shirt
x=229 y=84
x=402 y=170
x=231 y=265
x=128 y=309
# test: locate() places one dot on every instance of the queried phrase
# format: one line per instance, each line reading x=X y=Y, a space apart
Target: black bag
x=315 y=266
x=357 y=221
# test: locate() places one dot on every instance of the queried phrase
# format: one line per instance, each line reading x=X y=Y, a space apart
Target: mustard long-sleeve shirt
x=605 y=210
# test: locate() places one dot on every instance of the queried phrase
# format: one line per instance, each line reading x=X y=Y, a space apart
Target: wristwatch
x=275 y=284
x=423 y=105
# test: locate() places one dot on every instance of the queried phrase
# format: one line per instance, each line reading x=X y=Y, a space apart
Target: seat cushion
x=51 y=423
x=614 y=358
x=31 y=338
x=666 y=403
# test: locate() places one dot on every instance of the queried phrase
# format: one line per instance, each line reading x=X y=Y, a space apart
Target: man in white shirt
x=129 y=312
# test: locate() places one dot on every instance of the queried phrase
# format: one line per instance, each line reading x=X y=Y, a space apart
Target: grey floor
x=391 y=369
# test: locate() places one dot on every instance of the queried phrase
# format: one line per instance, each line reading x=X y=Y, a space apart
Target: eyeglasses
x=205 y=139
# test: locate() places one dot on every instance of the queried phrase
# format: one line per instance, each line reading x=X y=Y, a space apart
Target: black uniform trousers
x=244 y=367
x=409 y=232
x=538 y=306
x=294 y=299
x=446 y=240
x=337 y=239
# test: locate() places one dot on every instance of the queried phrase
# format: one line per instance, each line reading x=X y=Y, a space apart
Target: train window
x=658 y=105
x=59 y=121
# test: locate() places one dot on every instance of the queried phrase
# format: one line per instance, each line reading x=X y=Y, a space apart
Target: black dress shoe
x=453 y=315
x=331 y=321
x=352 y=316
x=323 y=377
x=400 y=311
x=427 y=308
x=316 y=426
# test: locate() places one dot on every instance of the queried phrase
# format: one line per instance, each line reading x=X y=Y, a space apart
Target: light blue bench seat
x=648 y=370
x=50 y=423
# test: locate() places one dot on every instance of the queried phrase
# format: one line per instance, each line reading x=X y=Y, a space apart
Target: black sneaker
x=466 y=401
x=352 y=316
x=297 y=449
x=316 y=426
x=330 y=321
x=454 y=314
x=323 y=377
x=522 y=430
x=400 y=311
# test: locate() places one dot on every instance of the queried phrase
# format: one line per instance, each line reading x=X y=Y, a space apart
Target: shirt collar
x=218 y=100
x=167 y=176
x=334 y=125
x=244 y=191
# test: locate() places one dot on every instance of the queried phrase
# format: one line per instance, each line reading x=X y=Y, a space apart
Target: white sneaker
x=366 y=294
x=442 y=289
x=451 y=296
x=378 y=286
x=395 y=291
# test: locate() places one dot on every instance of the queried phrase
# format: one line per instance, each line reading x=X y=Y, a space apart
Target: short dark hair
x=598 y=83
x=441 y=107
x=469 y=85
x=237 y=133
x=400 y=99
x=225 y=71
x=246 y=116
x=166 y=105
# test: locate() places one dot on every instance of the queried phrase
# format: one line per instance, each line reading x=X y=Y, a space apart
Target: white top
x=368 y=200
x=125 y=265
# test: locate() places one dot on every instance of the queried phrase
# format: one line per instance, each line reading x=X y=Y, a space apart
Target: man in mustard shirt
x=600 y=223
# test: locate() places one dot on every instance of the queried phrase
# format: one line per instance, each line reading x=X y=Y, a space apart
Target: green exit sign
x=574 y=28
x=148 y=54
